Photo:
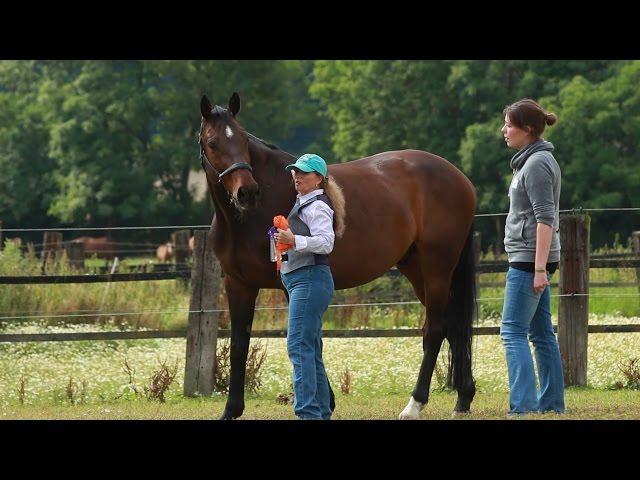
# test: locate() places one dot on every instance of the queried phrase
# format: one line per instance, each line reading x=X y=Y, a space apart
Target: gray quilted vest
x=295 y=260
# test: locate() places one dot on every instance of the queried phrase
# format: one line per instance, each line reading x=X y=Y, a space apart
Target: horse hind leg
x=410 y=267
x=435 y=288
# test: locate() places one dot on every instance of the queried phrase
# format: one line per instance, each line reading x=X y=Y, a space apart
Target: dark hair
x=527 y=113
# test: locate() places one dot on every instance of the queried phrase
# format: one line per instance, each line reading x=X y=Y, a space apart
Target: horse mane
x=335 y=194
x=270 y=145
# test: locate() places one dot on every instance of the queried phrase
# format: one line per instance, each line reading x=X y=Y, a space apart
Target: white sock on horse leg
x=412 y=410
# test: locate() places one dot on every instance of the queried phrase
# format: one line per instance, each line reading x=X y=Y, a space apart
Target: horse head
x=224 y=152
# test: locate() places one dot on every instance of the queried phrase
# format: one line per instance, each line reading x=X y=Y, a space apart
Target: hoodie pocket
x=522 y=229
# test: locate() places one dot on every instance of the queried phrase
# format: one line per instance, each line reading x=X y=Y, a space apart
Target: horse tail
x=460 y=314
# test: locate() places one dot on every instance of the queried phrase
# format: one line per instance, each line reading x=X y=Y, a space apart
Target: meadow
x=372 y=377
x=72 y=378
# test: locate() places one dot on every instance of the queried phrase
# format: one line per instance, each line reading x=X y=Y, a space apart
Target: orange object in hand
x=281 y=222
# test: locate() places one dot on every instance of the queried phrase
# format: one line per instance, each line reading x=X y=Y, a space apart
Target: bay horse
x=102 y=247
x=408 y=208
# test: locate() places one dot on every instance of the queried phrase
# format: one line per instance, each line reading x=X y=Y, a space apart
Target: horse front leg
x=242 y=302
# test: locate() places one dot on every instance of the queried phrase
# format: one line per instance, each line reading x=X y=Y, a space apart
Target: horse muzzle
x=247 y=197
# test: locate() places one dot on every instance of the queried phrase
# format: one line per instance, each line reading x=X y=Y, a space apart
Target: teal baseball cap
x=310 y=162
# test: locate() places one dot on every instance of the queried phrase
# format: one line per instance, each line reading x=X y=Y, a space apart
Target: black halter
x=204 y=161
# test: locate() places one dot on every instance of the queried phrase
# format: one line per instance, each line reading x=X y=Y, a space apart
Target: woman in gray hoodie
x=533 y=246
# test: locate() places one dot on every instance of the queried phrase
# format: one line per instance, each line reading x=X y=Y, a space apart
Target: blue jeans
x=526 y=312
x=310 y=291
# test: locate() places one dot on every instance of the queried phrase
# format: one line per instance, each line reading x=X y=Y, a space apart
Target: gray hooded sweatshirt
x=534 y=197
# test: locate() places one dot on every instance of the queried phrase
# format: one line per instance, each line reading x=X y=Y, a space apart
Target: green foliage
x=113 y=142
x=597 y=142
x=376 y=106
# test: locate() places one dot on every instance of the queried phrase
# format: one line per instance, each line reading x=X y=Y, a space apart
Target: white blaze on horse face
x=228 y=132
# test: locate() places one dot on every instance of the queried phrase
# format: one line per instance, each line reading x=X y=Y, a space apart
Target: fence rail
x=102 y=278
x=483 y=267
x=333 y=333
x=202 y=331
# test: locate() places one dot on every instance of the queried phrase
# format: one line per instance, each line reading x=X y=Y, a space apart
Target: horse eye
x=213 y=143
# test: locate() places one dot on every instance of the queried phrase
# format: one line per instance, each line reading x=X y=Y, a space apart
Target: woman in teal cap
x=307 y=277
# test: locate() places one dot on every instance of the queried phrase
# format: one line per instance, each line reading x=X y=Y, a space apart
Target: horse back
x=392 y=200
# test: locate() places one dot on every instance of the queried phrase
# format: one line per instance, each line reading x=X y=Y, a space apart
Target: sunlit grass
x=582 y=404
x=383 y=372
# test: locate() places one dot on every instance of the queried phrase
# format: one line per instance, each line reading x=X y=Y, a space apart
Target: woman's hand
x=540 y=282
x=285 y=236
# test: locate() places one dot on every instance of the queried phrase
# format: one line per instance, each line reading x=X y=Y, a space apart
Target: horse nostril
x=242 y=195
x=247 y=195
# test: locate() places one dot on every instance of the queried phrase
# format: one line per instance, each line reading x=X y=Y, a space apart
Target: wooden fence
x=202 y=331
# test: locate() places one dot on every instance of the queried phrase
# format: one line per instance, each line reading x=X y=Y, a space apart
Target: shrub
x=631 y=371
x=222 y=367
x=345 y=382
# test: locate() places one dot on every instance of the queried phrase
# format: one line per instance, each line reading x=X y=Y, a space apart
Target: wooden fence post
x=1 y=240
x=75 y=254
x=51 y=247
x=573 y=312
x=635 y=242
x=202 y=330
x=180 y=240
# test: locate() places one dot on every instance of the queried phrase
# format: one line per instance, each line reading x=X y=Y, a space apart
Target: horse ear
x=234 y=104
x=205 y=107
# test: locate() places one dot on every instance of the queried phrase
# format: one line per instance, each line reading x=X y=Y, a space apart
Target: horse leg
x=436 y=273
x=242 y=302
x=409 y=266
x=467 y=388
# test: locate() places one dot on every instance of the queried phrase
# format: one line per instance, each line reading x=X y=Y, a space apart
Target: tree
x=26 y=184
x=375 y=106
x=597 y=144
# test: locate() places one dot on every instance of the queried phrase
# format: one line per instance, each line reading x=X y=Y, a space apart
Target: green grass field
x=582 y=404
x=383 y=372
x=85 y=379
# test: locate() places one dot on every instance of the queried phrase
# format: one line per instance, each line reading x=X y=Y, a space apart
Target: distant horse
x=164 y=252
x=406 y=208
x=102 y=247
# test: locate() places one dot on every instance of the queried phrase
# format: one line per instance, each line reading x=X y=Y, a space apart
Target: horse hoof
x=229 y=416
x=456 y=414
x=412 y=410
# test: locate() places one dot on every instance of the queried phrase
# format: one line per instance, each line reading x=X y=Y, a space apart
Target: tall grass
x=98 y=300
x=91 y=300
